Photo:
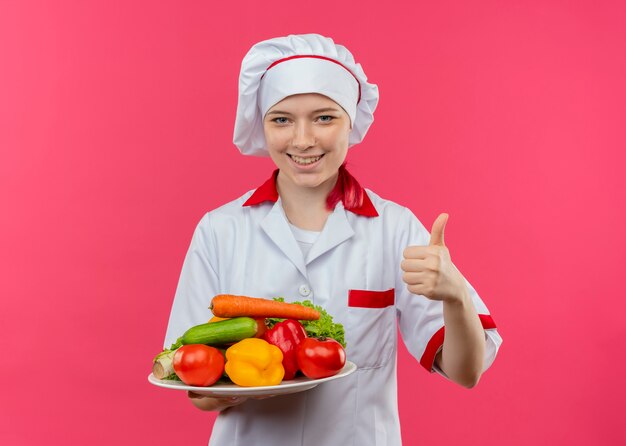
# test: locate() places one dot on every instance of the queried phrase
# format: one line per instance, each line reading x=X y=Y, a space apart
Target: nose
x=303 y=136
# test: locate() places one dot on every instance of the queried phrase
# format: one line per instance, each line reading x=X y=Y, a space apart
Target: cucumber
x=222 y=332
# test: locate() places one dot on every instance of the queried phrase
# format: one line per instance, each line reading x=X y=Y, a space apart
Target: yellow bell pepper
x=254 y=362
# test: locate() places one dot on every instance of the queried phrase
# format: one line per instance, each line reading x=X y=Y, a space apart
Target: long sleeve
x=198 y=283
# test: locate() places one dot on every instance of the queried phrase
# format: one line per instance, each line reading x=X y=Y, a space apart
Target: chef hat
x=305 y=63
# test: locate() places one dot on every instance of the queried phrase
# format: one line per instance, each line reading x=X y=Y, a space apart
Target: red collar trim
x=267 y=192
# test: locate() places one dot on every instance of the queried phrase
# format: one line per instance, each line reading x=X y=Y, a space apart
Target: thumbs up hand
x=429 y=271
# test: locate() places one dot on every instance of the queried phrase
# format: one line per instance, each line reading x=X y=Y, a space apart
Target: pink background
x=116 y=123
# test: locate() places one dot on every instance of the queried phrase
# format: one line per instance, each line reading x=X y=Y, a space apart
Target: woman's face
x=307 y=138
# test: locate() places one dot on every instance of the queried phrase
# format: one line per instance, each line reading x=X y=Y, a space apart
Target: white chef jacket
x=246 y=247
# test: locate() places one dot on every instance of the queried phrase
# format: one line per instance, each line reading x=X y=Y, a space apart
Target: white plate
x=299 y=384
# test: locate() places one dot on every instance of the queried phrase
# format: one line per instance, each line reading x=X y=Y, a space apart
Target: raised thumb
x=436 y=234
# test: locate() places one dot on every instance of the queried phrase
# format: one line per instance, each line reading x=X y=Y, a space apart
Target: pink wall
x=116 y=122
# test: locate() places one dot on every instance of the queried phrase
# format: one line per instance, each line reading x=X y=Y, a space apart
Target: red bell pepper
x=287 y=336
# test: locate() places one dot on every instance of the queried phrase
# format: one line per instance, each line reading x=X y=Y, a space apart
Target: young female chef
x=312 y=232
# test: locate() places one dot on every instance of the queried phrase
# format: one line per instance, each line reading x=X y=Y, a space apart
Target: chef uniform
x=351 y=268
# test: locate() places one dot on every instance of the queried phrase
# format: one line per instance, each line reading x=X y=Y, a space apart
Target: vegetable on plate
x=163 y=366
x=320 y=358
x=222 y=332
x=264 y=340
x=198 y=364
x=228 y=305
x=287 y=336
x=324 y=327
x=254 y=362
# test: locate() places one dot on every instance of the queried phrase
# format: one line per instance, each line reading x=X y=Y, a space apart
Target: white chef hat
x=304 y=63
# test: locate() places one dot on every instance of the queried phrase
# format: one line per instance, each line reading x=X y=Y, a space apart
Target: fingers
x=226 y=400
x=233 y=400
x=194 y=395
x=215 y=403
x=416 y=278
x=412 y=265
x=436 y=241
x=432 y=263
x=423 y=289
x=415 y=252
x=436 y=233
x=423 y=252
x=263 y=397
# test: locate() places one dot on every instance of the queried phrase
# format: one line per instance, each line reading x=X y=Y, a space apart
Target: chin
x=309 y=180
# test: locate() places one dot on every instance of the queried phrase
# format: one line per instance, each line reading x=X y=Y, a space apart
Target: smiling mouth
x=302 y=160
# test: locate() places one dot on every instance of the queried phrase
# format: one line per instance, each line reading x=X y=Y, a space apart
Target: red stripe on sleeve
x=436 y=341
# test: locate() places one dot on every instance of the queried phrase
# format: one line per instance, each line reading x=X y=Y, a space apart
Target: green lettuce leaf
x=324 y=327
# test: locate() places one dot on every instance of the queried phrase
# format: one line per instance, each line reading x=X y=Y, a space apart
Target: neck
x=305 y=207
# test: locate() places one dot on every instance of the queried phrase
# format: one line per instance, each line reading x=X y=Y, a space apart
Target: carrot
x=228 y=305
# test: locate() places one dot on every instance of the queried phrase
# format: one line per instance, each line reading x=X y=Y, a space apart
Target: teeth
x=305 y=161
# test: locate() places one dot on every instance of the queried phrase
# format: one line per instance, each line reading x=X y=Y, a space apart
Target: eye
x=280 y=120
x=326 y=118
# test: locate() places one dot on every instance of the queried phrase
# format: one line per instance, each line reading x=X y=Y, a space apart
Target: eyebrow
x=280 y=112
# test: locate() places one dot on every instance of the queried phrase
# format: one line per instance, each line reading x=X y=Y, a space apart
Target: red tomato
x=198 y=364
x=320 y=358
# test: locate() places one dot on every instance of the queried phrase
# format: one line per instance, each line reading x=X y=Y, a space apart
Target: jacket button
x=304 y=290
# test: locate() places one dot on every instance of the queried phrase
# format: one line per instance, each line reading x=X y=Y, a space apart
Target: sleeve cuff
x=436 y=342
